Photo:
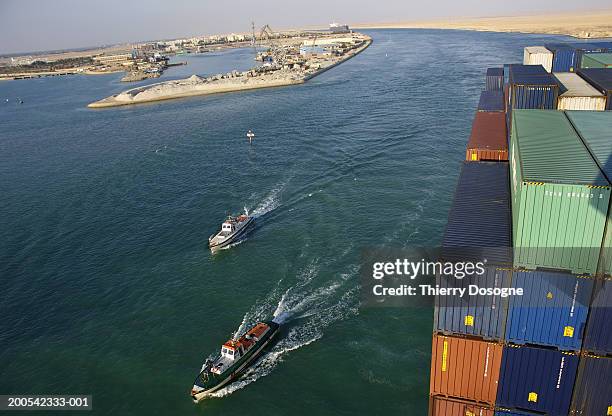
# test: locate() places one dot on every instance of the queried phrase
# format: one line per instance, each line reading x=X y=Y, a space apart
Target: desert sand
x=580 y=24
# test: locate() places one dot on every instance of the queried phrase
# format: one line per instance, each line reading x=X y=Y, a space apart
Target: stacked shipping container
x=452 y=375
x=595 y=130
x=488 y=140
x=564 y=58
x=553 y=176
x=537 y=379
x=593 y=391
x=482 y=199
x=578 y=94
x=597 y=60
x=495 y=79
x=538 y=55
x=552 y=312
x=567 y=57
x=532 y=87
x=447 y=407
x=598 y=337
x=554 y=341
x=600 y=78
x=491 y=101
x=479 y=218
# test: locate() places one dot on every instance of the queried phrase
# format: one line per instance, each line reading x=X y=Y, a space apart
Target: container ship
x=536 y=179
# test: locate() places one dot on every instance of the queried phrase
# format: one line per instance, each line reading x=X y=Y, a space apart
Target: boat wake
x=408 y=224
x=270 y=201
x=305 y=310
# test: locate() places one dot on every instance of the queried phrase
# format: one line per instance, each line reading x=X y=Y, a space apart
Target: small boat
x=250 y=135
x=235 y=357
x=231 y=230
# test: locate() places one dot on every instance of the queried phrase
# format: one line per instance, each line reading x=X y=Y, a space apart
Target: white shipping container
x=538 y=55
x=577 y=94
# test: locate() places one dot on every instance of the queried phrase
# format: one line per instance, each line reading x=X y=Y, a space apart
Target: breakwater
x=292 y=72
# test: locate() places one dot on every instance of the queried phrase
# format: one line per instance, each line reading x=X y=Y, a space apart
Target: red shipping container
x=488 y=140
x=465 y=368
x=440 y=406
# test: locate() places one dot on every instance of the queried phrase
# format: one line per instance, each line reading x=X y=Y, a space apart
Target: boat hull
x=234 y=237
x=238 y=372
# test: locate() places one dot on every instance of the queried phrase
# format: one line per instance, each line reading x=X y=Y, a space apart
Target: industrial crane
x=266 y=33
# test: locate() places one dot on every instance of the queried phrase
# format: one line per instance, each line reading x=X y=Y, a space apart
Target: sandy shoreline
x=196 y=86
x=217 y=89
x=582 y=25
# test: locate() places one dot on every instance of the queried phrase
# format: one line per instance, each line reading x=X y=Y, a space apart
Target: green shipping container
x=595 y=130
x=559 y=195
x=596 y=60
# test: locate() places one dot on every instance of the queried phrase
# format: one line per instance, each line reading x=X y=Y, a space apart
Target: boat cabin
x=227 y=227
x=232 y=350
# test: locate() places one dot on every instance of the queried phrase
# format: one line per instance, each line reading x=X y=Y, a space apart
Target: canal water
x=107 y=285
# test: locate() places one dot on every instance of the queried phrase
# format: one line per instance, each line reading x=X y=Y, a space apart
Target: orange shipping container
x=465 y=368
x=440 y=406
x=488 y=140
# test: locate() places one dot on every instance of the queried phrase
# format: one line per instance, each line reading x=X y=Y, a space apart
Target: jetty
x=289 y=63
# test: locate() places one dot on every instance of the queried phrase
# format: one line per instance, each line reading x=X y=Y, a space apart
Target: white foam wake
x=305 y=310
x=270 y=202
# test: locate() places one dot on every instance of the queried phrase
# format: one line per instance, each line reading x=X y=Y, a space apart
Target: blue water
x=108 y=288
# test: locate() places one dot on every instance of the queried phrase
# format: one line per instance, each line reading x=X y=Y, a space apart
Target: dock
x=287 y=64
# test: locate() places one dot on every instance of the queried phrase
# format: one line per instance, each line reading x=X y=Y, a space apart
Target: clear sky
x=35 y=25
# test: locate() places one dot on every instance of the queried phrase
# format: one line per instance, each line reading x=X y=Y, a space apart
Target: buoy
x=250 y=135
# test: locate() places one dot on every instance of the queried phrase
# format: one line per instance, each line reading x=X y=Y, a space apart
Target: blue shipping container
x=515 y=413
x=582 y=48
x=482 y=316
x=606 y=46
x=520 y=69
x=552 y=311
x=529 y=91
x=495 y=79
x=593 y=390
x=564 y=57
x=537 y=379
x=507 y=72
x=598 y=336
x=532 y=89
x=534 y=97
x=491 y=101
x=480 y=215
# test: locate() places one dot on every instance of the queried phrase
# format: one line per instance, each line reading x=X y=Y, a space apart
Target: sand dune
x=579 y=24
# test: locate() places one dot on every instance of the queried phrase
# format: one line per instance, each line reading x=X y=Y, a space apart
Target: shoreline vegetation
x=289 y=63
x=583 y=25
